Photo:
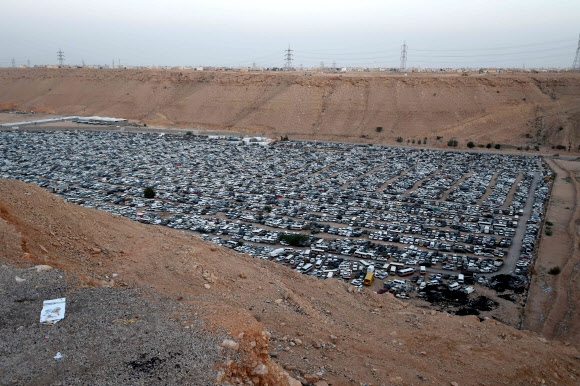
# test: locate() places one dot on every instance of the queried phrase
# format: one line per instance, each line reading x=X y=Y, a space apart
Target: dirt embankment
x=319 y=329
x=554 y=301
x=520 y=110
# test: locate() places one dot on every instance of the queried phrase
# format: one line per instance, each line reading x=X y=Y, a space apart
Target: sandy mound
x=319 y=330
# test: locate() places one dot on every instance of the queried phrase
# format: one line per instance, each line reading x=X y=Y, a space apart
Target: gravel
x=109 y=336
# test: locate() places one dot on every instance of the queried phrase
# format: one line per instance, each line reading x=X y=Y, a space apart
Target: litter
x=52 y=311
x=58 y=355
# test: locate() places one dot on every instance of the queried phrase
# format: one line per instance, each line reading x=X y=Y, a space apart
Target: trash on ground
x=52 y=311
x=58 y=355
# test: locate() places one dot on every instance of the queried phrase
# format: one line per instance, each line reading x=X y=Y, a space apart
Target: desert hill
x=278 y=320
x=519 y=109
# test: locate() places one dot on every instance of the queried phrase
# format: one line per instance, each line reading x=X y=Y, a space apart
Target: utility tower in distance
x=60 y=57
x=288 y=57
x=13 y=63
x=576 y=64
x=403 y=57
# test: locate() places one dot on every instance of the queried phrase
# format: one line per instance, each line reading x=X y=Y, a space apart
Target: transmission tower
x=576 y=64
x=28 y=63
x=13 y=63
x=60 y=57
x=288 y=57
x=403 y=57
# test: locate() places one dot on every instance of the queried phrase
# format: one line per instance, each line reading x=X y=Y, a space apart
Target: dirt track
x=554 y=300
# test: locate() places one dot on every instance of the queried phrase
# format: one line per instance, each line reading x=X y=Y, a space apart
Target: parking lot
x=325 y=209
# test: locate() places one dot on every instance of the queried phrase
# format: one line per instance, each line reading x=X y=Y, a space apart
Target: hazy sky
x=439 y=33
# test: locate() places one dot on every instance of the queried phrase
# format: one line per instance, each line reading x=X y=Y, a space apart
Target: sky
x=365 y=33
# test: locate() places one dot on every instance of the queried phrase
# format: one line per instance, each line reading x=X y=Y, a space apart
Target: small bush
x=536 y=148
x=267 y=208
x=149 y=192
x=379 y=129
x=399 y=139
x=497 y=146
x=295 y=239
x=549 y=223
x=470 y=145
x=439 y=138
x=548 y=232
x=560 y=147
x=554 y=270
x=189 y=133
x=452 y=143
x=488 y=146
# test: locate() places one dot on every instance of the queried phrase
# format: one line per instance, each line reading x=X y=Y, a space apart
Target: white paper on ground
x=52 y=311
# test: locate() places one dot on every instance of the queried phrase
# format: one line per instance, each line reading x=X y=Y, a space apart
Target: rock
x=40 y=268
x=321 y=383
x=316 y=345
x=44 y=250
x=333 y=338
x=290 y=367
x=19 y=279
x=312 y=378
x=260 y=369
x=293 y=381
x=298 y=342
x=278 y=301
x=228 y=343
x=95 y=251
x=274 y=354
x=243 y=275
x=454 y=384
x=543 y=340
x=207 y=286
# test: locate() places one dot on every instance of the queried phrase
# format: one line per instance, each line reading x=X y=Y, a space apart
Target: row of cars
x=447 y=210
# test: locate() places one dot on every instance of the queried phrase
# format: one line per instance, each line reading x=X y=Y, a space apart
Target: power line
x=403 y=57
x=288 y=56
x=60 y=57
x=576 y=64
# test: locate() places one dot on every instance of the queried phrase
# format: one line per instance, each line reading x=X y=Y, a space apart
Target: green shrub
x=470 y=145
x=295 y=239
x=149 y=192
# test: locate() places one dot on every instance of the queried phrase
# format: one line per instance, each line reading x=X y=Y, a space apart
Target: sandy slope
x=514 y=109
x=553 y=304
x=316 y=326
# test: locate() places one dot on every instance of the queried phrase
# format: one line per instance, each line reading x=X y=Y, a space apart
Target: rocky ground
x=155 y=306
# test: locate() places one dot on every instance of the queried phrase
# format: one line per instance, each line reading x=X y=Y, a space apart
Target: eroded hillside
x=536 y=109
x=319 y=329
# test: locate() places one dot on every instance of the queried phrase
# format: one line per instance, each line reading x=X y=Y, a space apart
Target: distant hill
x=520 y=110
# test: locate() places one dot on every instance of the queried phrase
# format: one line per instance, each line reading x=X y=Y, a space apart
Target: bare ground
x=514 y=109
x=554 y=300
x=319 y=329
